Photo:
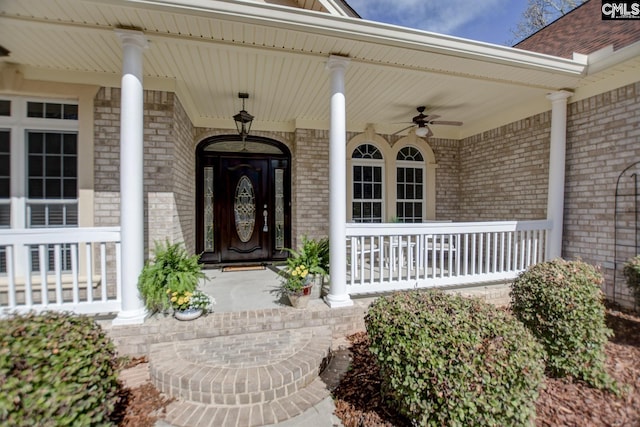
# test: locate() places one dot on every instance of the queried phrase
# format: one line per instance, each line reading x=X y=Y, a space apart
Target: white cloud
x=440 y=16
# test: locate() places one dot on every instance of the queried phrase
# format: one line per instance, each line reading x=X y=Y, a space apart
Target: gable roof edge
x=606 y=58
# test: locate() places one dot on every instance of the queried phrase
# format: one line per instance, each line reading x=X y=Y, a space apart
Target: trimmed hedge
x=561 y=303
x=632 y=273
x=449 y=360
x=56 y=369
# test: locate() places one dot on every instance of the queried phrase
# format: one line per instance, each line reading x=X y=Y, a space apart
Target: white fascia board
x=361 y=30
x=606 y=58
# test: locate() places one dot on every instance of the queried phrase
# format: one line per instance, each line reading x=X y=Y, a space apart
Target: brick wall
x=504 y=172
x=107 y=158
x=168 y=166
x=447 y=157
x=310 y=185
x=183 y=179
x=603 y=138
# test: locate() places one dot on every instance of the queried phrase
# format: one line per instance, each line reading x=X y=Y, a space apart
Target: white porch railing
x=66 y=269
x=385 y=257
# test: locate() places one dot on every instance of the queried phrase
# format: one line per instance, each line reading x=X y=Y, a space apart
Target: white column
x=557 y=154
x=131 y=176
x=338 y=296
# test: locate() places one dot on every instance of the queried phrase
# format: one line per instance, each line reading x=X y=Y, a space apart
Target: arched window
x=410 y=185
x=367 y=184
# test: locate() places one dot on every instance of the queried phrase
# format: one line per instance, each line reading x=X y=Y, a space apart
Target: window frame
x=19 y=125
x=390 y=153
x=415 y=165
x=368 y=163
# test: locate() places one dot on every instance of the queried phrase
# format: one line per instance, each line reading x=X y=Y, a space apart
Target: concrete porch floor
x=218 y=366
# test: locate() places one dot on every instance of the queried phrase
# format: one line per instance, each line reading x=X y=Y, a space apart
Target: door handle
x=265 y=214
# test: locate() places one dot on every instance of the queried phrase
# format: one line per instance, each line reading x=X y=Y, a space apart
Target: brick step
x=271 y=372
x=184 y=413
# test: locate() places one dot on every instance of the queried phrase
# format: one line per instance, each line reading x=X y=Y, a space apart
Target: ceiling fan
x=422 y=120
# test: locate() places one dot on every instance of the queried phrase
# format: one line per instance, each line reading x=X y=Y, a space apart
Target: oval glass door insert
x=244 y=207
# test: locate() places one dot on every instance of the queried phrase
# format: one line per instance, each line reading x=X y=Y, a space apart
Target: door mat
x=230 y=268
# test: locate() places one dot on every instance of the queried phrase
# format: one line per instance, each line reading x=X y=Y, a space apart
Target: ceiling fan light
x=422 y=131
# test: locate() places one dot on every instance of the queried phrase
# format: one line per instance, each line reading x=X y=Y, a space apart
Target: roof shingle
x=582 y=31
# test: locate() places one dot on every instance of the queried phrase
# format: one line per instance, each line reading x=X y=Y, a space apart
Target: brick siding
x=168 y=166
x=504 y=172
x=603 y=138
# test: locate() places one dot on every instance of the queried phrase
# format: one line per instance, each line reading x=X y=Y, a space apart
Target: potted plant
x=189 y=305
x=170 y=268
x=310 y=261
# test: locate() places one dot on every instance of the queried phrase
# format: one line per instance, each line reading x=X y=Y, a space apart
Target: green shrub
x=56 y=370
x=449 y=360
x=171 y=268
x=632 y=272
x=561 y=303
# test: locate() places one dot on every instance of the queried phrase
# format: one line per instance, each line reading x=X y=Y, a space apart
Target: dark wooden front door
x=243 y=194
x=244 y=209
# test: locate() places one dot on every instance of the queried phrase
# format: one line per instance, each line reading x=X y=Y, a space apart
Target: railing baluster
x=74 y=272
x=456 y=253
x=89 y=262
x=44 y=264
x=509 y=261
x=118 y=273
x=58 y=272
x=28 y=296
x=522 y=249
x=103 y=271
x=481 y=253
x=501 y=268
x=494 y=255
x=11 y=274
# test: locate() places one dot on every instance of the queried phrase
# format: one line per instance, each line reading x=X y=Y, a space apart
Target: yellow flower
x=294 y=273
x=168 y=291
x=175 y=294
x=180 y=301
x=173 y=299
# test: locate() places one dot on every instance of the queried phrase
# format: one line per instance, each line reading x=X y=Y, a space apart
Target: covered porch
x=310 y=84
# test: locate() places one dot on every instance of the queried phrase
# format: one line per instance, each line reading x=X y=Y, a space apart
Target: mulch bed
x=140 y=406
x=561 y=403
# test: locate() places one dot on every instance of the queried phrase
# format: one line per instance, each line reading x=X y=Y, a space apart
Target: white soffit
x=214 y=49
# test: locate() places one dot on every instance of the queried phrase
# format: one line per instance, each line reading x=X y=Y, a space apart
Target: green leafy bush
x=561 y=303
x=632 y=272
x=449 y=360
x=56 y=370
x=171 y=268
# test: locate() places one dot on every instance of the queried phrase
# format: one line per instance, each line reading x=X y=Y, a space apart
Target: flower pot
x=188 y=314
x=317 y=281
x=301 y=299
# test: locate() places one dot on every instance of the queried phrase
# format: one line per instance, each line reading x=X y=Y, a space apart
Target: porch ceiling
x=208 y=50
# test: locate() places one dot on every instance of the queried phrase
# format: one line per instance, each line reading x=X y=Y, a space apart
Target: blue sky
x=484 y=20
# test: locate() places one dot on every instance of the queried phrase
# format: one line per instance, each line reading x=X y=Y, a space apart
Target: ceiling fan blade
x=402 y=130
x=445 y=122
x=429 y=132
